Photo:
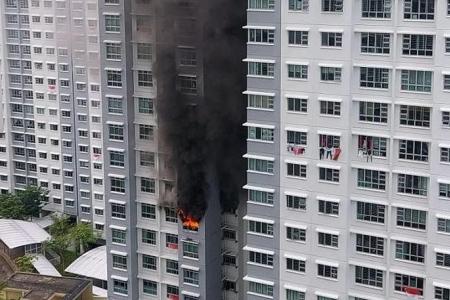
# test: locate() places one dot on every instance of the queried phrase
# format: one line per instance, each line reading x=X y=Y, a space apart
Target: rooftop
x=16 y=233
x=41 y=287
x=91 y=264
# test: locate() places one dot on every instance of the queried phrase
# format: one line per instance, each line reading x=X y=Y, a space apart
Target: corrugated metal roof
x=91 y=264
x=16 y=233
x=44 y=267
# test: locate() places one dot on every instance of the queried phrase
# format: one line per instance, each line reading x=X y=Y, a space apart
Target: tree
x=11 y=207
x=25 y=263
x=83 y=235
x=61 y=226
x=32 y=198
x=59 y=244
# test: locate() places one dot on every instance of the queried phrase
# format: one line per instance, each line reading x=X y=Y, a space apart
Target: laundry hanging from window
x=329 y=147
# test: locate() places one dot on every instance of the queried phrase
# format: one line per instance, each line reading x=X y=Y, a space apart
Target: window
x=375 y=43
x=190 y=249
x=442 y=259
x=147 y=159
x=113 y=51
x=297 y=71
x=171 y=241
x=444 y=190
x=260 y=101
x=117 y=185
x=413 y=150
x=260 y=258
x=298 y=38
x=120 y=287
x=145 y=78
x=372 y=146
x=112 y=23
x=260 y=165
x=296 y=138
x=171 y=215
x=296 y=202
x=373 y=112
x=260 y=227
x=119 y=262
x=171 y=267
x=376 y=8
x=417 y=44
x=416 y=81
x=411 y=218
x=295 y=265
x=332 y=5
x=188 y=84
x=377 y=78
x=297 y=105
x=328 y=239
x=402 y=281
x=145 y=105
x=190 y=276
x=445 y=119
x=415 y=116
x=441 y=293
x=145 y=132
x=296 y=170
x=260 y=288
x=148 y=237
x=328 y=174
x=419 y=10
x=371 y=179
x=412 y=184
x=260 y=69
x=149 y=287
x=331 y=108
x=332 y=39
x=295 y=234
x=330 y=74
x=370 y=244
x=148 y=211
x=116 y=158
x=263 y=197
x=115 y=132
x=172 y=291
x=260 y=133
x=369 y=276
x=410 y=251
x=114 y=78
x=147 y=185
x=370 y=212
x=149 y=262
x=299 y=5
x=144 y=51
x=118 y=211
x=295 y=295
x=445 y=155
x=261 y=36
x=327 y=271
x=329 y=207
x=443 y=225
x=115 y=105
x=446 y=82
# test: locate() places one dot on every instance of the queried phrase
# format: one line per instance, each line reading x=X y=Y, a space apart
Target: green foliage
x=32 y=198
x=25 y=263
x=11 y=207
x=23 y=204
x=83 y=235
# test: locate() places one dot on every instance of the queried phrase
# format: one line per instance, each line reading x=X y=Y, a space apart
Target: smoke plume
x=202 y=133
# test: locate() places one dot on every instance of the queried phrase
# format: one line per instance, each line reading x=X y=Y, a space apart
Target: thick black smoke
x=202 y=132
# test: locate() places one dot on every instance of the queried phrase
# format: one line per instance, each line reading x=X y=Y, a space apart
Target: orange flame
x=189 y=222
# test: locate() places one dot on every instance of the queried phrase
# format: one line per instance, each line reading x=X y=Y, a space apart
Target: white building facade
x=51 y=113
x=348 y=152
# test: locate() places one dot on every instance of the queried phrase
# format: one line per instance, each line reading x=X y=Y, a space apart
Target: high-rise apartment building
x=51 y=106
x=348 y=153
x=154 y=53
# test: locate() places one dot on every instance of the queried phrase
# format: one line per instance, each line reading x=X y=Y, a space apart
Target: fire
x=189 y=222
